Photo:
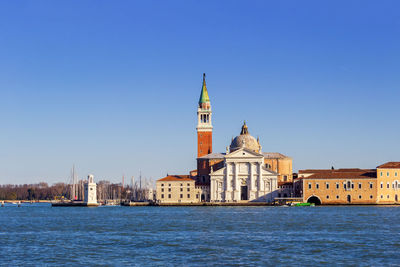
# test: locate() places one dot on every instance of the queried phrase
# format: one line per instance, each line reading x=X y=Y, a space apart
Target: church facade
x=243 y=172
x=243 y=177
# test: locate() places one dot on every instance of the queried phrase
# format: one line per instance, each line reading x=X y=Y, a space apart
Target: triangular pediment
x=220 y=171
x=243 y=153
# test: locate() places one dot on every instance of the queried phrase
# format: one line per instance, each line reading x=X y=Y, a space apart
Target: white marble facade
x=243 y=178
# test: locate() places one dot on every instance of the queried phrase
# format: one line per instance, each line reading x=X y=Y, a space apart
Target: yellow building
x=352 y=186
x=280 y=164
x=388 y=183
x=342 y=186
x=177 y=189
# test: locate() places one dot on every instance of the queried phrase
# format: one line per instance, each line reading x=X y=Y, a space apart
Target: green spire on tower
x=204 y=94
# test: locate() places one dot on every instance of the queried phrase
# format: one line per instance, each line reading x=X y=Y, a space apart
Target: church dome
x=244 y=140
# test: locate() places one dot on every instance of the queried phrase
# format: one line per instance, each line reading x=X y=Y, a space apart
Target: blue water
x=37 y=234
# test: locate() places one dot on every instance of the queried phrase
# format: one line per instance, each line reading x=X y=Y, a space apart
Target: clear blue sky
x=112 y=86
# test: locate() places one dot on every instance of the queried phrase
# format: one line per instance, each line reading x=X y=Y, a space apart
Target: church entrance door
x=243 y=193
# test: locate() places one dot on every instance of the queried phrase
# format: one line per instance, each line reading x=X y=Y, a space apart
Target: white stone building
x=244 y=176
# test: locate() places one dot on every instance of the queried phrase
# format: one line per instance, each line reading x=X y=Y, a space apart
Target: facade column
x=260 y=183
x=274 y=187
x=217 y=193
x=213 y=189
x=236 y=183
x=251 y=176
x=228 y=184
x=253 y=188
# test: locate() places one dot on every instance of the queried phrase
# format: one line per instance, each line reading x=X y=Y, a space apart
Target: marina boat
x=304 y=204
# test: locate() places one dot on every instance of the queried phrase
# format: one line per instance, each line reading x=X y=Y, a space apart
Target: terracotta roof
x=390 y=165
x=176 y=178
x=193 y=173
x=334 y=170
x=335 y=174
x=285 y=183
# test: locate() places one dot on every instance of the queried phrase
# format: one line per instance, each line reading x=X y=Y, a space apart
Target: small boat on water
x=303 y=204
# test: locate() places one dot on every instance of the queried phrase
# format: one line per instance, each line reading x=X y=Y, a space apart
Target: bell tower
x=204 y=126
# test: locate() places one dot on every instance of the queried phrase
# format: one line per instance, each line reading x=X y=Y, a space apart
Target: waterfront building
x=352 y=186
x=297 y=188
x=341 y=186
x=90 y=196
x=286 y=189
x=177 y=189
x=388 y=185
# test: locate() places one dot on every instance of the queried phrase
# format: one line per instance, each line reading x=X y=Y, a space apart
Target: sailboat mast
x=73 y=183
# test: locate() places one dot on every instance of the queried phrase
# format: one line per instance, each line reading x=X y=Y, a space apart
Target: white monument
x=90 y=191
